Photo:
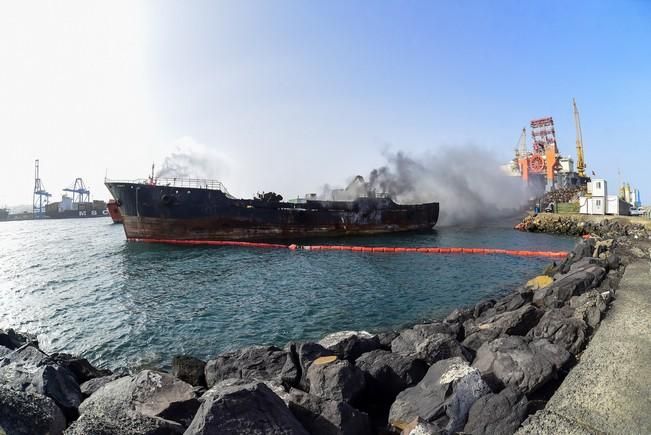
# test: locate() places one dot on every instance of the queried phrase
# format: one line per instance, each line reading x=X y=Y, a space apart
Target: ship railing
x=195 y=183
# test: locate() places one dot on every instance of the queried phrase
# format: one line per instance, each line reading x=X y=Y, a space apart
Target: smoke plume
x=466 y=181
x=192 y=160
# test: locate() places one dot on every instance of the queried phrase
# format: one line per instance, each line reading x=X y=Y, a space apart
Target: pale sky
x=291 y=95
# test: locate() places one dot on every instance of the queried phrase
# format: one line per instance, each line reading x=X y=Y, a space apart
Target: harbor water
x=83 y=289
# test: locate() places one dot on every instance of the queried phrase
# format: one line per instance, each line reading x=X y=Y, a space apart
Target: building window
x=598 y=185
x=598 y=203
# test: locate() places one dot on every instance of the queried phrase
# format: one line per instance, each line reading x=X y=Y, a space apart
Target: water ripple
x=83 y=289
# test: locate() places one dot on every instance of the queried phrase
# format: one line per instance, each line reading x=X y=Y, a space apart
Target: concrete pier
x=609 y=391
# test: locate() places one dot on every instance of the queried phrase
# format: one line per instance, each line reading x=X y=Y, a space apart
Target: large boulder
x=302 y=357
x=28 y=369
x=385 y=338
x=149 y=393
x=290 y=374
x=389 y=373
x=254 y=362
x=13 y=340
x=189 y=369
x=459 y=315
x=582 y=249
x=517 y=322
x=18 y=367
x=602 y=246
x=92 y=385
x=79 y=367
x=338 y=380
x=561 y=327
x=25 y=413
x=428 y=342
x=350 y=344
x=445 y=395
x=27 y=356
x=243 y=407
x=526 y=365
x=4 y=351
x=115 y=421
x=574 y=283
x=327 y=417
x=589 y=307
x=584 y=263
x=60 y=385
x=482 y=306
x=421 y=427
x=497 y=413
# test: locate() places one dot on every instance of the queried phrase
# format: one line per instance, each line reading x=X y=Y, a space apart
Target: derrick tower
x=41 y=197
x=544 y=159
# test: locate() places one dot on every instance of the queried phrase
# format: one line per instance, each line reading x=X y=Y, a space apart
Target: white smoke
x=467 y=182
x=190 y=159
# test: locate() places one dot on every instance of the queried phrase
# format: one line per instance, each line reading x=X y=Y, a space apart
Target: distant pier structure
x=41 y=196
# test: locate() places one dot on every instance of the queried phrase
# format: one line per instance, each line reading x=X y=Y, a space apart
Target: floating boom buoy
x=367 y=249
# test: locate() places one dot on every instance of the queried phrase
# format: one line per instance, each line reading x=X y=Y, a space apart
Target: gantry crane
x=580 y=161
x=41 y=196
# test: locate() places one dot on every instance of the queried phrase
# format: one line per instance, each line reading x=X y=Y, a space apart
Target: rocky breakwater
x=481 y=370
x=579 y=225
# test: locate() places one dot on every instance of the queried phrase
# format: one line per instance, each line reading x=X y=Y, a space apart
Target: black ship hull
x=156 y=212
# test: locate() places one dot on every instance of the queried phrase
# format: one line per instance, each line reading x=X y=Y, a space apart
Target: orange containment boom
x=370 y=249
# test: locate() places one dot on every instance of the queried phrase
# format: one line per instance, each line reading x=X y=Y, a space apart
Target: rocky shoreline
x=482 y=370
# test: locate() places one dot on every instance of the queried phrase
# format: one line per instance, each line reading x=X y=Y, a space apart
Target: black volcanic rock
x=499 y=413
x=561 y=327
x=27 y=413
x=327 y=417
x=518 y=322
x=517 y=361
x=572 y=284
x=445 y=395
x=189 y=369
x=350 y=344
x=307 y=353
x=254 y=362
x=80 y=367
x=429 y=342
x=13 y=340
x=390 y=373
x=339 y=380
x=150 y=398
x=92 y=385
x=243 y=407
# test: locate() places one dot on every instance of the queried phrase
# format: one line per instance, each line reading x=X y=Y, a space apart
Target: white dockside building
x=597 y=201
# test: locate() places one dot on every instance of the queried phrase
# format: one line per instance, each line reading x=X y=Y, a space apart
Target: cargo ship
x=158 y=209
x=67 y=208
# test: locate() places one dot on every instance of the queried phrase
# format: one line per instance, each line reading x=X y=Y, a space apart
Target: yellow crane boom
x=580 y=161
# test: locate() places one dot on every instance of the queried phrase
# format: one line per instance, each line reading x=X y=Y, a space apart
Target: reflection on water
x=83 y=289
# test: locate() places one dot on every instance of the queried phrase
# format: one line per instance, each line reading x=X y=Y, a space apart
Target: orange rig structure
x=543 y=166
x=544 y=159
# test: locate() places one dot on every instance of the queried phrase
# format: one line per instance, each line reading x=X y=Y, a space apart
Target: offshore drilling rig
x=543 y=166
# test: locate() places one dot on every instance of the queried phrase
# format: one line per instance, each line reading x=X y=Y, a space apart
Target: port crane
x=79 y=191
x=41 y=197
x=580 y=161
